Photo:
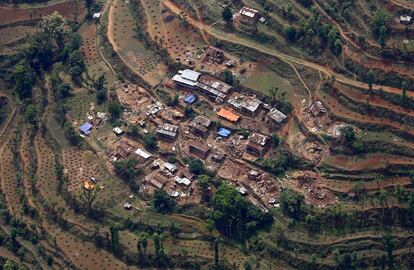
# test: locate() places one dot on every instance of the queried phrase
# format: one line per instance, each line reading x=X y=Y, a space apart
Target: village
x=212 y=121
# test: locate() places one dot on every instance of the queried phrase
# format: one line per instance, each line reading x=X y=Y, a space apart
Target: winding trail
x=229 y=37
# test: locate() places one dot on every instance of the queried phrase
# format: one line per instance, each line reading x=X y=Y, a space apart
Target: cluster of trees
x=127 y=171
x=315 y=35
x=236 y=217
x=379 y=26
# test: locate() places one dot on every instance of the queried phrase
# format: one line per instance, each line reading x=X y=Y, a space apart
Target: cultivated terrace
x=206 y=134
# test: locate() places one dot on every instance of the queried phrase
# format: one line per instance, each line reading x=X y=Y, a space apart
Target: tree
x=370 y=79
x=236 y=217
x=30 y=113
x=143 y=239
x=404 y=88
x=204 y=181
x=292 y=203
x=99 y=85
x=53 y=26
x=389 y=248
x=114 y=108
x=71 y=134
x=23 y=80
x=228 y=77
x=273 y=93
x=195 y=166
x=348 y=133
x=64 y=90
x=89 y=196
x=216 y=254
x=114 y=231
x=126 y=169
x=150 y=141
x=162 y=202
x=274 y=139
x=227 y=15
x=9 y=265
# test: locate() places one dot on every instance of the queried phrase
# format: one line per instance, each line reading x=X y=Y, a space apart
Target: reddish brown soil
x=341 y=111
x=9 y=15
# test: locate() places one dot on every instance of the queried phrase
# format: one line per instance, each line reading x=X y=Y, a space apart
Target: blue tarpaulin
x=86 y=128
x=190 y=99
x=224 y=132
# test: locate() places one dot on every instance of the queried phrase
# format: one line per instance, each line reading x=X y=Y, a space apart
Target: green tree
x=114 y=108
x=9 y=265
x=292 y=203
x=389 y=248
x=53 y=26
x=150 y=141
x=370 y=79
x=404 y=88
x=114 y=232
x=195 y=166
x=204 y=181
x=162 y=202
x=64 y=90
x=227 y=76
x=143 y=239
x=23 y=80
x=126 y=169
x=30 y=113
x=348 y=133
x=227 y=15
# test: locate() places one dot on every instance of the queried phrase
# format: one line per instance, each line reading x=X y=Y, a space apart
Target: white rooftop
x=142 y=153
x=182 y=180
x=189 y=74
x=169 y=166
x=248 y=11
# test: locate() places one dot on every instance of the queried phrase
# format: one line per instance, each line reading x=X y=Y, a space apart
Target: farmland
x=189 y=134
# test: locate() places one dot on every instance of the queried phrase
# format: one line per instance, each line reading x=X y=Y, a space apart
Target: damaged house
x=258 y=144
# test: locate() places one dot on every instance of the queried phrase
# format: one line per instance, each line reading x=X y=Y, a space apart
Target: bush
x=162 y=202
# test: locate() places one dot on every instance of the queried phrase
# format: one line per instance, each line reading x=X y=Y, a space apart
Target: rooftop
x=224 y=132
x=248 y=11
x=86 y=128
x=277 y=115
x=142 y=153
x=258 y=139
x=202 y=120
x=232 y=117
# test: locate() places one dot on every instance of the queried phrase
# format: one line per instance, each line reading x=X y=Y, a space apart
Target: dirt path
x=11 y=116
x=228 y=37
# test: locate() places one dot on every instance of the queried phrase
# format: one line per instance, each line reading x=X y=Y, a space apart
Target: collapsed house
x=212 y=87
x=248 y=105
x=316 y=108
x=198 y=149
x=200 y=125
x=123 y=150
x=258 y=144
x=213 y=54
x=167 y=132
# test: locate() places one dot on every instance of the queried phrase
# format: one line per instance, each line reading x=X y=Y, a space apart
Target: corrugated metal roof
x=189 y=74
x=142 y=153
x=224 y=132
x=248 y=11
x=228 y=115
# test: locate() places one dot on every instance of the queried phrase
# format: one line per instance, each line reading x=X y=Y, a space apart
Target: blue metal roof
x=224 y=132
x=86 y=128
x=190 y=99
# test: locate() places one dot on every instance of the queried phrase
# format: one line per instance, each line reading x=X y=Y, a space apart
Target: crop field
x=316 y=172
x=70 y=9
x=122 y=35
x=13 y=34
x=95 y=66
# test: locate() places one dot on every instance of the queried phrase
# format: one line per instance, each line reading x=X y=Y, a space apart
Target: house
x=187 y=78
x=243 y=191
x=213 y=54
x=182 y=181
x=198 y=149
x=190 y=99
x=170 y=167
x=167 y=131
x=248 y=105
x=249 y=15
x=317 y=108
x=123 y=150
x=185 y=172
x=406 y=19
x=217 y=157
x=276 y=115
x=207 y=84
x=96 y=15
x=257 y=145
x=200 y=125
x=222 y=132
x=142 y=154
x=118 y=131
x=157 y=180
x=86 y=128
x=228 y=115
x=213 y=87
